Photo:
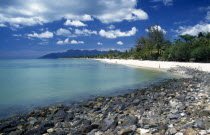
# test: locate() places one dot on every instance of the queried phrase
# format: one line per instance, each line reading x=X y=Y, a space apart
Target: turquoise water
x=31 y=83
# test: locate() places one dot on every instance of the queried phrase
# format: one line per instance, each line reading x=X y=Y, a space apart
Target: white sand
x=163 y=65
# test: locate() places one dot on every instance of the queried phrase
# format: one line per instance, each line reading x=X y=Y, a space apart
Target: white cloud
x=77 y=32
x=85 y=32
x=64 y=32
x=193 y=30
x=74 y=23
x=111 y=27
x=120 y=43
x=137 y=14
x=87 y=18
x=60 y=42
x=99 y=43
x=208 y=16
x=165 y=2
x=32 y=12
x=157 y=27
x=2 y=25
x=117 y=33
x=77 y=42
x=66 y=41
x=46 y=34
x=125 y=14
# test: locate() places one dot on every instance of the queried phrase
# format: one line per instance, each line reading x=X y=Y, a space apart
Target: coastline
x=175 y=106
x=160 y=65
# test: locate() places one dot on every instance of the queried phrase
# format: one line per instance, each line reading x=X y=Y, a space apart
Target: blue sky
x=32 y=28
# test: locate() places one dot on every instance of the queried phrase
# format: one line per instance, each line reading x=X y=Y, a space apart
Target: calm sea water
x=25 y=84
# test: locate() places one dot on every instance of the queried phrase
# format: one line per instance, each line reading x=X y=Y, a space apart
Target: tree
x=187 y=37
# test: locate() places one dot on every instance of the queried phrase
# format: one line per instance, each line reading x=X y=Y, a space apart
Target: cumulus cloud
x=77 y=42
x=33 y=12
x=117 y=33
x=99 y=43
x=63 y=32
x=84 y=32
x=165 y=2
x=86 y=18
x=157 y=27
x=46 y=34
x=66 y=41
x=120 y=43
x=193 y=30
x=74 y=23
x=111 y=27
x=75 y=33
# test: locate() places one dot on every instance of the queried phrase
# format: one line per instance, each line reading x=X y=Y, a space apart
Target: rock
x=171 y=125
x=129 y=120
x=182 y=114
x=10 y=129
x=203 y=124
x=171 y=131
x=173 y=103
x=76 y=123
x=179 y=133
x=50 y=130
x=99 y=133
x=92 y=132
x=108 y=122
x=174 y=116
x=149 y=122
x=47 y=124
x=142 y=131
x=3 y=126
x=190 y=131
x=33 y=122
x=203 y=132
x=90 y=128
x=204 y=113
x=59 y=116
x=69 y=117
x=128 y=130
x=18 y=132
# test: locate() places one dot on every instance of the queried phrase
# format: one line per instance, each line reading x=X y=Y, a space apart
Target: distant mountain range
x=73 y=53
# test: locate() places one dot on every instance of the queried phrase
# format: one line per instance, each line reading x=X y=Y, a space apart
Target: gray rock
x=33 y=122
x=174 y=116
x=127 y=130
x=204 y=113
x=171 y=131
x=4 y=125
x=129 y=120
x=108 y=122
x=90 y=128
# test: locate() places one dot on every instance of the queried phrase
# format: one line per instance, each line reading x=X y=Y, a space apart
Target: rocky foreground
x=173 y=107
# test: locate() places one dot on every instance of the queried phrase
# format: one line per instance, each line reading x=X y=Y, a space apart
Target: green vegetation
x=155 y=46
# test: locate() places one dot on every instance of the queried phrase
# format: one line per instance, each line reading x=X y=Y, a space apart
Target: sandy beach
x=163 y=65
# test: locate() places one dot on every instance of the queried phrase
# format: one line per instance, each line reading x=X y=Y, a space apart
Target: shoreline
x=160 y=65
x=175 y=106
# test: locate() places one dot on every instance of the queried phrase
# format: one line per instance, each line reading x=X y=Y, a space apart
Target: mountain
x=73 y=53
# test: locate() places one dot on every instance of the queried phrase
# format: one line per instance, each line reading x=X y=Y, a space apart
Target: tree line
x=155 y=46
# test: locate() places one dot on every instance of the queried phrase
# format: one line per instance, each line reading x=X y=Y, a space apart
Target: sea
x=27 y=84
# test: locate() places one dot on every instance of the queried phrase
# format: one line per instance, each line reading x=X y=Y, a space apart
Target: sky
x=32 y=28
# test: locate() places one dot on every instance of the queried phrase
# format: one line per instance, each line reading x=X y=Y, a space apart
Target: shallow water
x=25 y=84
